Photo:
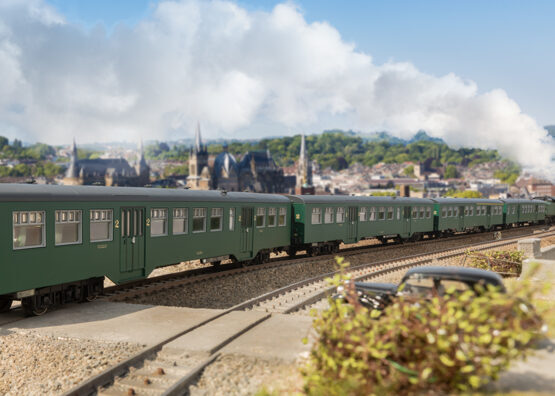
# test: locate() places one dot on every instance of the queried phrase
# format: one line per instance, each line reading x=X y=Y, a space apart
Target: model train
x=59 y=242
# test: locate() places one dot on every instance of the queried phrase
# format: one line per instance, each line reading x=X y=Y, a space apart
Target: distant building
x=304 y=172
x=256 y=172
x=107 y=172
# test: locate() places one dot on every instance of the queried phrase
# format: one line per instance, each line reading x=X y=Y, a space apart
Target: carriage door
x=132 y=245
x=406 y=220
x=488 y=217
x=461 y=218
x=247 y=234
x=353 y=221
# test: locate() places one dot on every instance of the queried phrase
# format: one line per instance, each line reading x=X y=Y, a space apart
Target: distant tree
x=409 y=171
x=451 y=172
x=464 y=194
x=3 y=142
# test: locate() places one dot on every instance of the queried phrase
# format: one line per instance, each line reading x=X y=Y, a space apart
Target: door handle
x=133 y=240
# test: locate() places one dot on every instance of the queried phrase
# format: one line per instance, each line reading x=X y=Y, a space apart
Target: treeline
x=339 y=150
x=37 y=156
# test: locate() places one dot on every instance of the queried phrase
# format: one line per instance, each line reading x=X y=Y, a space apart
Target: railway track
x=164 y=282
x=158 y=370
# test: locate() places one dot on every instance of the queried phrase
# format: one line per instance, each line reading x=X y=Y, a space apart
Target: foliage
x=409 y=171
x=451 y=172
x=509 y=174
x=16 y=151
x=46 y=169
x=176 y=170
x=337 y=150
x=384 y=194
x=464 y=194
x=502 y=261
x=457 y=342
x=161 y=151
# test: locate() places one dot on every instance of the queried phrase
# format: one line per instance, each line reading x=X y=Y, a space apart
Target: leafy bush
x=457 y=342
x=502 y=261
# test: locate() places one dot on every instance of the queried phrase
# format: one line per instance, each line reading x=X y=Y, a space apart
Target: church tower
x=198 y=162
x=141 y=168
x=73 y=177
x=304 y=172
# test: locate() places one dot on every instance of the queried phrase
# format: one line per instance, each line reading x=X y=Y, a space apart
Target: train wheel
x=34 y=306
x=291 y=251
x=5 y=305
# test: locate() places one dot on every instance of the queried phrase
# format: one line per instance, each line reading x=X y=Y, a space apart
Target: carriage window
x=199 y=220
x=231 y=219
x=260 y=217
x=28 y=230
x=372 y=214
x=449 y=211
x=340 y=215
x=428 y=212
x=443 y=212
x=328 y=216
x=390 y=213
x=282 y=221
x=415 y=213
x=216 y=216
x=398 y=213
x=422 y=215
x=316 y=216
x=101 y=225
x=180 y=220
x=381 y=213
x=362 y=214
x=68 y=227
x=158 y=222
x=272 y=217
x=466 y=210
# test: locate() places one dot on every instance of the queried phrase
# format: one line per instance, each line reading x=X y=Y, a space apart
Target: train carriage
x=549 y=208
x=522 y=211
x=461 y=214
x=58 y=242
x=320 y=223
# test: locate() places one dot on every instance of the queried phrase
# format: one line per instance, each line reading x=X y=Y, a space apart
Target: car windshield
x=429 y=286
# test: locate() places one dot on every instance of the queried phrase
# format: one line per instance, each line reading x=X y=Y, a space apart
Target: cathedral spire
x=302 y=155
x=198 y=139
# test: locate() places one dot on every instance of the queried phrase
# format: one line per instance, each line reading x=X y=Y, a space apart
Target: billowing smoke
x=230 y=68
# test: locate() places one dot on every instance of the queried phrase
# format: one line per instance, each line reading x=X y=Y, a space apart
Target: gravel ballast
x=33 y=364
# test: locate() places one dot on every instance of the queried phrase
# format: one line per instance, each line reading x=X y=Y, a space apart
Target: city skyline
x=254 y=69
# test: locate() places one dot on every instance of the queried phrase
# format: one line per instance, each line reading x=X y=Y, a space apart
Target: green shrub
x=457 y=342
x=502 y=261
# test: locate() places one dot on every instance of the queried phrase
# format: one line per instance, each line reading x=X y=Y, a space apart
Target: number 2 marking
x=117 y=223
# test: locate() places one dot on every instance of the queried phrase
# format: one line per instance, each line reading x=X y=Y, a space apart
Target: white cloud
x=230 y=68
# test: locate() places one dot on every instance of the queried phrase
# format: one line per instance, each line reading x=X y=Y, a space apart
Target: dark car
x=424 y=282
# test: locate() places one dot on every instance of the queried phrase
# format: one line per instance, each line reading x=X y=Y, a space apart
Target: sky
x=475 y=73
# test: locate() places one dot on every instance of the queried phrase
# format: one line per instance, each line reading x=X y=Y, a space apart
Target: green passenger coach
x=58 y=242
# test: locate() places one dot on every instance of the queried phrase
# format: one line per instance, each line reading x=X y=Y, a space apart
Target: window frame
x=282 y=214
x=318 y=213
x=362 y=214
x=110 y=226
x=231 y=216
x=42 y=223
x=329 y=212
x=164 y=219
x=217 y=216
x=390 y=213
x=340 y=211
x=79 y=226
x=204 y=212
x=184 y=217
x=257 y=215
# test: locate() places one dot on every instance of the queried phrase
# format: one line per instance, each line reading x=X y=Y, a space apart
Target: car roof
x=369 y=200
x=448 y=201
x=461 y=273
x=48 y=192
x=519 y=201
